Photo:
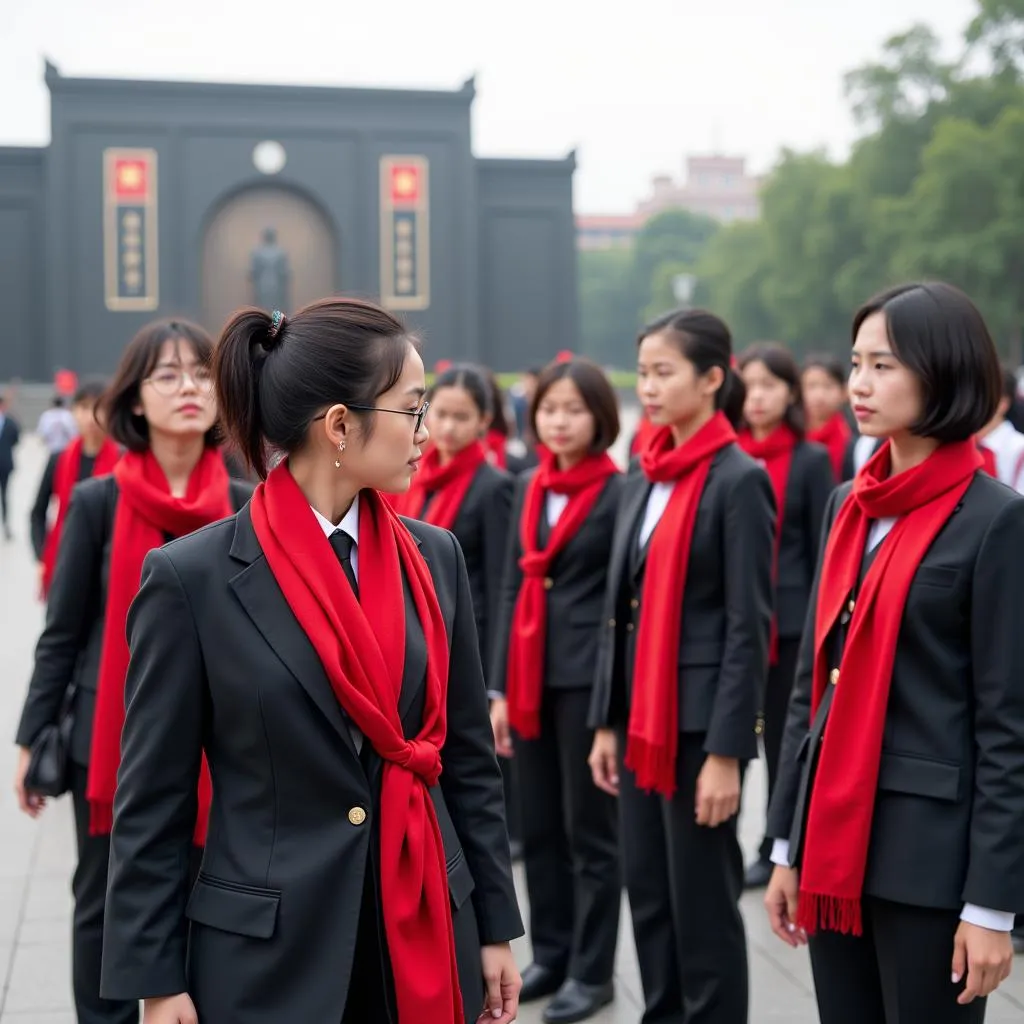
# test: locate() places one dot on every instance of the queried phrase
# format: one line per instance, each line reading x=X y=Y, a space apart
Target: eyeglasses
x=169 y=382
x=417 y=414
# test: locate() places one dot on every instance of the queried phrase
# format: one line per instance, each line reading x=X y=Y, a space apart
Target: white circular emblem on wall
x=269 y=157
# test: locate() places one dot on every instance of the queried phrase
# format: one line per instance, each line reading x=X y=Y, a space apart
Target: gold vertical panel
x=405 y=232
x=131 y=268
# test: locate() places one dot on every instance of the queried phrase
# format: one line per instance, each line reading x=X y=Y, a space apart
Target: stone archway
x=236 y=229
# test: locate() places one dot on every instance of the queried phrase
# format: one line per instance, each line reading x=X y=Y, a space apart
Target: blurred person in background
x=10 y=435
x=823 y=386
x=91 y=453
x=1003 y=440
x=57 y=426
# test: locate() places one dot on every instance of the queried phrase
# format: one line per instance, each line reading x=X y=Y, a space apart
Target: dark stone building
x=175 y=198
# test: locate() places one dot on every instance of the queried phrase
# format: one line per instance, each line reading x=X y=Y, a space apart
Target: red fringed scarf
x=146 y=512
x=447 y=484
x=843 y=798
x=361 y=644
x=653 y=736
x=775 y=453
x=835 y=435
x=583 y=484
x=65 y=476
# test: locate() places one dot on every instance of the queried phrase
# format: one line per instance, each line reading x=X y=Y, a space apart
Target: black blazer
x=807 y=492
x=38 y=524
x=72 y=640
x=481 y=529
x=948 y=824
x=575 y=599
x=220 y=663
x=726 y=613
x=10 y=434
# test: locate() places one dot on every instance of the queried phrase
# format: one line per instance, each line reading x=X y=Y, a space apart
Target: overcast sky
x=634 y=89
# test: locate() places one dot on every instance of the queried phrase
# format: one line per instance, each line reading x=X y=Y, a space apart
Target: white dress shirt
x=1007 y=444
x=657 y=502
x=554 y=506
x=994 y=920
x=350 y=525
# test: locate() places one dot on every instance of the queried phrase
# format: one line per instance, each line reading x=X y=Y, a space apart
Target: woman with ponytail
x=802 y=480
x=898 y=812
x=171 y=481
x=681 y=671
x=322 y=652
x=544 y=659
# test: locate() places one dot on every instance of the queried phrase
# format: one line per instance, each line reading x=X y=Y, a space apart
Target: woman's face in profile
x=886 y=396
x=386 y=458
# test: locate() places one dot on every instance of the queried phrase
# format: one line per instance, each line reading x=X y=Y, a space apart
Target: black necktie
x=343 y=545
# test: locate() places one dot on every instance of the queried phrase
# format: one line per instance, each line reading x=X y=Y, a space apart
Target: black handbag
x=48 y=771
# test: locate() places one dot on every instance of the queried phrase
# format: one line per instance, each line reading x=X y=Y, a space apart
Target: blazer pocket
x=585 y=617
x=234 y=907
x=936 y=576
x=460 y=879
x=700 y=652
x=919 y=776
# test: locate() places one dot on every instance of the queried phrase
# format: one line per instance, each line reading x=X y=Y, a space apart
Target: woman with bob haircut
x=544 y=660
x=802 y=480
x=681 y=670
x=322 y=652
x=898 y=813
x=161 y=407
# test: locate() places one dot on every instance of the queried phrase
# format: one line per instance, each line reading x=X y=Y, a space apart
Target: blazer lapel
x=414 y=677
x=633 y=502
x=261 y=597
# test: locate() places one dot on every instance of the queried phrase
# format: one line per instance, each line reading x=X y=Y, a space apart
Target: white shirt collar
x=349 y=524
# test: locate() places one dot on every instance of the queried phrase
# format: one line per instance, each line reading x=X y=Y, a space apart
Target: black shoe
x=758 y=874
x=539 y=982
x=576 y=1001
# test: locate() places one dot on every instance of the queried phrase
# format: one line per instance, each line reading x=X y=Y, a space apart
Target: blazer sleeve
x=471 y=780
x=747 y=556
x=496 y=513
x=74 y=604
x=995 y=873
x=819 y=483
x=37 y=517
x=798 y=717
x=511 y=581
x=145 y=930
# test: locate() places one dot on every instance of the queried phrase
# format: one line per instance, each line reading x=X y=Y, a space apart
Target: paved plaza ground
x=36 y=858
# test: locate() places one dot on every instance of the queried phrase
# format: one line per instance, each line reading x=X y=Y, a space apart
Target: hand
x=40 y=573
x=781 y=902
x=604 y=761
x=501 y=1004
x=31 y=804
x=718 y=790
x=170 y=1010
x=499 y=723
x=986 y=957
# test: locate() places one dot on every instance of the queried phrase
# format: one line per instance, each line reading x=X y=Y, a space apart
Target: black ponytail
x=274 y=376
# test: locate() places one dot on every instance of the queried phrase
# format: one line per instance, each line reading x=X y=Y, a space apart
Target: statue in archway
x=270 y=273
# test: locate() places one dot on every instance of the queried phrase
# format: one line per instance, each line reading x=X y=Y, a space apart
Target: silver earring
x=341 y=448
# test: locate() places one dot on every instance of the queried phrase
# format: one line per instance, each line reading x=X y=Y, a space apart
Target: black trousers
x=776 y=704
x=570 y=844
x=4 y=517
x=89 y=886
x=897 y=972
x=684 y=882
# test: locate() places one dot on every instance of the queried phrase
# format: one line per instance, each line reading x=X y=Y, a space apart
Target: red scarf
x=448 y=484
x=653 y=736
x=146 y=511
x=361 y=644
x=835 y=436
x=497 y=454
x=65 y=476
x=583 y=484
x=775 y=453
x=843 y=797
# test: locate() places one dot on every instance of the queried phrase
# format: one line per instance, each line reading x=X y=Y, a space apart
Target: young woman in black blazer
x=802 y=480
x=322 y=652
x=543 y=675
x=681 y=671
x=899 y=807
x=161 y=408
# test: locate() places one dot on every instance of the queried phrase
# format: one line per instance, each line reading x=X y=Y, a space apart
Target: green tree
x=999 y=28
x=609 y=302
